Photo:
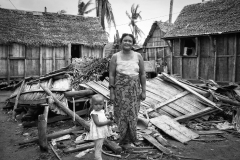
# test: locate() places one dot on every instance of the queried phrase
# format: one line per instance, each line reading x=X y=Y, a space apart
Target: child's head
x=97 y=102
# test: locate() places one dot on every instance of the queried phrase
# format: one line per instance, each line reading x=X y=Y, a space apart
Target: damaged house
x=154 y=47
x=205 y=41
x=36 y=43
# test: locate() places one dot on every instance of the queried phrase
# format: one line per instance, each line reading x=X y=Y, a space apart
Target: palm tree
x=82 y=7
x=104 y=11
x=136 y=31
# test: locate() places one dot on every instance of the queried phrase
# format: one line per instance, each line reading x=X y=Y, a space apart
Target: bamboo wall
x=157 y=49
x=218 y=58
x=18 y=61
x=92 y=52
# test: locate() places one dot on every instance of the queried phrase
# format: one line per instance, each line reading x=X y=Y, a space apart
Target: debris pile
x=174 y=109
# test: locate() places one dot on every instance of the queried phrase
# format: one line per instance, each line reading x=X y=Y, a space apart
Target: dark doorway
x=76 y=51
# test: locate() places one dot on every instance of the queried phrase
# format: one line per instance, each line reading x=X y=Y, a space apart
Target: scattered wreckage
x=173 y=106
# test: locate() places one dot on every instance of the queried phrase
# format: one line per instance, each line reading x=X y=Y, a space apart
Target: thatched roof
x=164 y=26
x=211 y=17
x=44 y=28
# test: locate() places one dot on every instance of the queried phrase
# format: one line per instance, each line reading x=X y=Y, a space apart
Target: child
x=98 y=125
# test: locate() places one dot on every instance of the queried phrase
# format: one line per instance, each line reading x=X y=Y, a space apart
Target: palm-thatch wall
x=36 y=43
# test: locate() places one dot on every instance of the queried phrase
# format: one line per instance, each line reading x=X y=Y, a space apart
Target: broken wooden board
x=173 y=128
x=156 y=144
x=210 y=132
x=99 y=88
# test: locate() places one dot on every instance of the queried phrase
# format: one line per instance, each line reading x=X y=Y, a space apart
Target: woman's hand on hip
x=143 y=96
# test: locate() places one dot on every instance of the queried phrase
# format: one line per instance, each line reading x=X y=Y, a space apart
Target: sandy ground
x=12 y=132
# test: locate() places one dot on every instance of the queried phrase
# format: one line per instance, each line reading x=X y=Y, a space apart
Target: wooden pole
x=56 y=154
x=54 y=59
x=40 y=61
x=42 y=133
x=65 y=109
x=52 y=135
x=8 y=64
x=45 y=113
x=192 y=91
x=181 y=58
x=25 y=62
x=112 y=145
x=198 y=57
x=235 y=58
x=170 y=12
x=16 y=101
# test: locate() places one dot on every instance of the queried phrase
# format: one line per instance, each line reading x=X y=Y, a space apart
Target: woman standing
x=127 y=84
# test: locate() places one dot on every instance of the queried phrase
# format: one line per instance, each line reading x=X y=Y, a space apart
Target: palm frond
x=109 y=14
x=128 y=15
x=90 y=10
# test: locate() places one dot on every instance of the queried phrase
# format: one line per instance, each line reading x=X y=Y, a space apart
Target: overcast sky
x=151 y=10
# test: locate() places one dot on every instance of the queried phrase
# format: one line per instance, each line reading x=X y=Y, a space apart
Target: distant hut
x=205 y=41
x=36 y=43
x=155 y=48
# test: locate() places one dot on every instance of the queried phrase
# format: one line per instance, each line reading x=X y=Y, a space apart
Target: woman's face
x=127 y=43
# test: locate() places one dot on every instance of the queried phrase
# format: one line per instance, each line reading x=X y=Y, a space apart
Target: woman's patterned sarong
x=127 y=104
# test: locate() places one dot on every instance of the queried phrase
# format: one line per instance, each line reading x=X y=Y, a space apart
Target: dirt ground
x=228 y=148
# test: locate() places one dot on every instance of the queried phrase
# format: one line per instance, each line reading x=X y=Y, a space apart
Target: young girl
x=99 y=128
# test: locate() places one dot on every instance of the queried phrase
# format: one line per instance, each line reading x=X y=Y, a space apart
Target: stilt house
x=36 y=43
x=205 y=41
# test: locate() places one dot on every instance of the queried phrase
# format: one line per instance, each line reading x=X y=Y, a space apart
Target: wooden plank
x=25 y=62
x=184 y=103
x=99 y=89
x=187 y=132
x=8 y=64
x=40 y=61
x=170 y=131
x=173 y=128
x=181 y=59
x=156 y=144
x=16 y=101
x=235 y=59
x=192 y=91
x=157 y=106
x=54 y=59
x=172 y=109
x=196 y=114
x=209 y=132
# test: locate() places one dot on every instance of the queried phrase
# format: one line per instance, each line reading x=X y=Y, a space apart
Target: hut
x=205 y=41
x=36 y=43
x=155 y=48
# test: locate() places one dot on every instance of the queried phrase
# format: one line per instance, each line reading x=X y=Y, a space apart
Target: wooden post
x=65 y=109
x=198 y=57
x=171 y=71
x=52 y=135
x=40 y=61
x=16 y=100
x=45 y=113
x=110 y=144
x=235 y=58
x=25 y=62
x=42 y=133
x=212 y=51
x=54 y=59
x=8 y=64
x=69 y=54
x=181 y=59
